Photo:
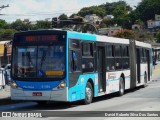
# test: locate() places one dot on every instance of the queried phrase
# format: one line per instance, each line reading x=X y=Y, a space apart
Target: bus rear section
x=39 y=66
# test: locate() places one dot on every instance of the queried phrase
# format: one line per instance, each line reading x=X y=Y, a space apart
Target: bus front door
x=101 y=69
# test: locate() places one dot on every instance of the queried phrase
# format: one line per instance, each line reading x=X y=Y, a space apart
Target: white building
x=154 y=23
x=109 y=17
x=94 y=19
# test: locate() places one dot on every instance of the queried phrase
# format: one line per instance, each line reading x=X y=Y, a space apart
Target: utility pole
x=3 y=6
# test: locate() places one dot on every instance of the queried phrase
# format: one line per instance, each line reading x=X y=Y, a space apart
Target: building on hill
x=108 y=17
x=137 y=27
x=109 y=31
x=93 y=19
x=154 y=25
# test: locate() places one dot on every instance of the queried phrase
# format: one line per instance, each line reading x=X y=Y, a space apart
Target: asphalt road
x=139 y=99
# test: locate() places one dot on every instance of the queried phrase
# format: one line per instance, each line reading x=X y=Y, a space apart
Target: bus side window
x=74 y=61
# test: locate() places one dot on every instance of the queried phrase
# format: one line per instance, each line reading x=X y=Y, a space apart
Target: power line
x=3 y=6
x=43 y=13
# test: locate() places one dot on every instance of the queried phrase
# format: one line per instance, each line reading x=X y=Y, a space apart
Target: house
x=109 y=31
x=94 y=19
x=27 y=21
x=137 y=27
x=109 y=17
x=154 y=23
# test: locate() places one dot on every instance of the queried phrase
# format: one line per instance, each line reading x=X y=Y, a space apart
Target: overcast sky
x=41 y=9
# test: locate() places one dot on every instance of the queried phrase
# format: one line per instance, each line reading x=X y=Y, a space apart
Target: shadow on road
x=66 y=105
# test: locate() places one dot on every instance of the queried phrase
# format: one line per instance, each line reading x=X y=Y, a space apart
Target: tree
x=158 y=36
x=19 y=25
x=114 y=6
x=147 y=9
x=92 y=10
x=108 y=22
x=128 y=34
x=3 y=23
x=73 y=15
x=6 y=34
x=44 y=24
x=63 y=17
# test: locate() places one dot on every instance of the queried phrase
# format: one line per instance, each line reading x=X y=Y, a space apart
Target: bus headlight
x=62 y=85
x=14 y=85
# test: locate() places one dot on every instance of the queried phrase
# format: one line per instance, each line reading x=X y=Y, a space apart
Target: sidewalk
x=5 y=95
x=156 y=71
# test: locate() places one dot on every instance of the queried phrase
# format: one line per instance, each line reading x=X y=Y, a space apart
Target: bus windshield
x=38 y=61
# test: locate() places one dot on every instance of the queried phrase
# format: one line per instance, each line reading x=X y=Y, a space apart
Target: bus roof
x=91 y=37
x=142 y=44
x=120 y=41
x=112 y=39
x=81 y=36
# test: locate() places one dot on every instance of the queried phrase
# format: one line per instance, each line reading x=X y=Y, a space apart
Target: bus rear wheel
x=42 y=103
x=121 y=87
x=88 y=94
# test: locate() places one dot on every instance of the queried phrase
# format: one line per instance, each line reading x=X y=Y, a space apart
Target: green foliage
x=73 y=15
x=43 y=25
x=107 y=22
x=19 y=25
x=147 y=9
x=116 y=6
x=128 y=34
x=92 y=10
x=6 y=34
x=119 y=10
x=123 y=14
x=7 y=30
x=3 y=23
x=158 y=36
x=63 y=17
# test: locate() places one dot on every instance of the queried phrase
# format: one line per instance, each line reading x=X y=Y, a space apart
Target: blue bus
x=59 y=65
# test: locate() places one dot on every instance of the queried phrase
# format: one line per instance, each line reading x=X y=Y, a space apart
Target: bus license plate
x=37 y=94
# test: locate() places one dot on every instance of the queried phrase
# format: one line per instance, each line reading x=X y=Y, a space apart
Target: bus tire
x=88 y=94
x=121 y=87
x=41 y=102
x=145 y=80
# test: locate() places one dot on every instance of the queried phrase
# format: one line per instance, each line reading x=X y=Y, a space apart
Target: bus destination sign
x=41 y=38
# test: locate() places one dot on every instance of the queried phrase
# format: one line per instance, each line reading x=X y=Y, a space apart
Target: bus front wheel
x=88 y=94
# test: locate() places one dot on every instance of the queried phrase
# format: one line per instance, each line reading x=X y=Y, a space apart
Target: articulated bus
x=59 y=65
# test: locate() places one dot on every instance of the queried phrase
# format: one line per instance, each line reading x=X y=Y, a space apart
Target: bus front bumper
x=54 y=95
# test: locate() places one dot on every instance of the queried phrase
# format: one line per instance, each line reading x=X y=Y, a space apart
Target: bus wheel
x=41 y=102
x=88 y=94
x=145 y=80
x=121 y=87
